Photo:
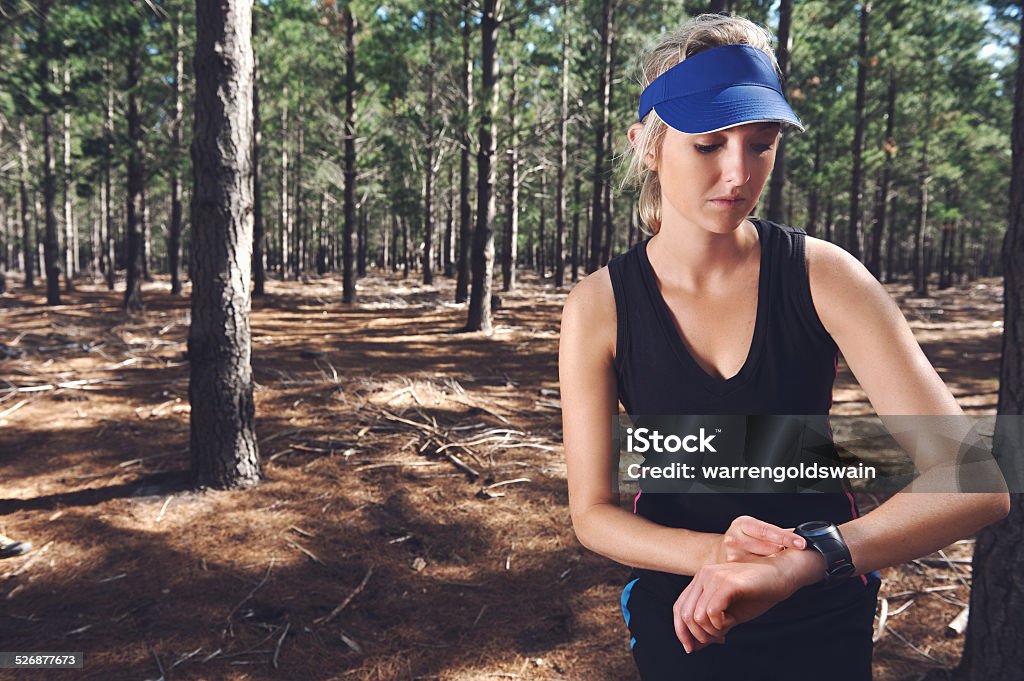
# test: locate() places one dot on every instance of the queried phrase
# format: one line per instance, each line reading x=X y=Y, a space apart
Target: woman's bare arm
x=589 y=403
x=883 y=355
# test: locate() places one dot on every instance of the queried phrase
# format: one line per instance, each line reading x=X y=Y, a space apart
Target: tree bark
x=223 y=436
x=349 y=228
x=860 y=121
x=921 y=224
x=174 y=238
x=28 y=231
x=299 y=219
x=428 y=193
x=259 y=264
x=283 y=237
x=542 y=204
x=511 y=242
x=70 y=250
x=133 y=288
x=992 y=650
x=147 y=231
x=563 y=152
x=776 y=190
x=577 y=208
x=51 y=253
x=882 y=196
x=600 y=143
x=479 y=316
x=110 y=233
x=465 y=216
x=449 y=229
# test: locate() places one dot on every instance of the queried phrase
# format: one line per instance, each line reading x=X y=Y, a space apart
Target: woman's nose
x=736 y=168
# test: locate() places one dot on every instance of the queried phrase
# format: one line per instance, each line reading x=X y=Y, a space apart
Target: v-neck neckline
x=710 y=382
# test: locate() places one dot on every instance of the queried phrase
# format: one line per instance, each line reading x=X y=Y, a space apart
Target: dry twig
x=348 y=599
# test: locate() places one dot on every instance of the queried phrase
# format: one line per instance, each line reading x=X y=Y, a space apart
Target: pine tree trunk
x=284 y=242
x=465 y=216
x=479 y=316
x=776 y=190
x=860 y=121
x=563 y=152
x=542 y=204
x=428 y=194
x=50 y=247
x=28 y=246
x=298 y=221
x=992 y=650
x=174 y=238
x=349 y=228
x=110 y=233
x=404 y=221
x=223 y=436
x=882 y=196
x=449 y=227
x=70 y=250
x=921 y=224
x=147 y=234
x=600 y=144
x=511 y=242
x=577 y=207
x=259 y=262
x=51 y=251
x=133 y=288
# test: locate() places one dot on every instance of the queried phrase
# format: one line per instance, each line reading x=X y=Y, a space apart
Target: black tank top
x=789 y=370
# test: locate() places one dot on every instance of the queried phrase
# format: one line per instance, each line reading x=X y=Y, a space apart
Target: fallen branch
x=11 y=410
x=280 y=642
x=312 y=556
x=159 y=666
x=348 y=599
x=882 y=618
x=266 y=575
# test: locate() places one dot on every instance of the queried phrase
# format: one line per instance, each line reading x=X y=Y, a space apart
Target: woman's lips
x=726 y=202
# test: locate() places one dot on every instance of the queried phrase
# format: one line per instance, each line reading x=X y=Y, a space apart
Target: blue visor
x=717 y=89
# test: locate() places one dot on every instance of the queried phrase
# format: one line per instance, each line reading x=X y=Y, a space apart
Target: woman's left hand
x=726 y=594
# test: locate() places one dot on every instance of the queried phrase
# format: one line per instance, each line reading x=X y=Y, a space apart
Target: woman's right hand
x=748 y=538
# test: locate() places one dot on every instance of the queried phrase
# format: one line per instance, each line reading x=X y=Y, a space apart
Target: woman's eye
x=709 y=148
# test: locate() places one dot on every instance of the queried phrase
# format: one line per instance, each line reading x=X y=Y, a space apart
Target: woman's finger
x=704 y=614
x=696 y=618
x=686 y=610
x=682 y=631
x=762 y=538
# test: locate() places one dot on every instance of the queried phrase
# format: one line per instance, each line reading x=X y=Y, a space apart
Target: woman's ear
x=650 y=158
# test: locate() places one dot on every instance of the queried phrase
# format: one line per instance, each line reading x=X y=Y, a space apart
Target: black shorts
x=822 y=642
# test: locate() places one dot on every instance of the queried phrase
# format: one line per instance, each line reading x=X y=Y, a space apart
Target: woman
x=719 y=313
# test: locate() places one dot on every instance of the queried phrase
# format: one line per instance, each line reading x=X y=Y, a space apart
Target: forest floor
x=444 y=577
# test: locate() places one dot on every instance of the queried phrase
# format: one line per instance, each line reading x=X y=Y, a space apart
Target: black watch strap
x=824 y=537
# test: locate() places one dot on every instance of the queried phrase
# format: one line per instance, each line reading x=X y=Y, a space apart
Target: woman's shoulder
x=593 y=293
x=841 y=286
x=590 y=308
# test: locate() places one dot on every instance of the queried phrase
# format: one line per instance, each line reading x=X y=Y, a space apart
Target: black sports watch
x=824 y=536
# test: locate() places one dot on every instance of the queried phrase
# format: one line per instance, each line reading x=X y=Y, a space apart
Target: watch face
x=815 y=526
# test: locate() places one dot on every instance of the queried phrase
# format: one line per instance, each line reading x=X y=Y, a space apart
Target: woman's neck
x=694 y=258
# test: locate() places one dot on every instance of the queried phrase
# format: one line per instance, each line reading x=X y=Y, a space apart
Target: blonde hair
x=697 y=35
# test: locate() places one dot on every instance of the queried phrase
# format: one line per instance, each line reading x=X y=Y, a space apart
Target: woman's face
x=713 y=180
